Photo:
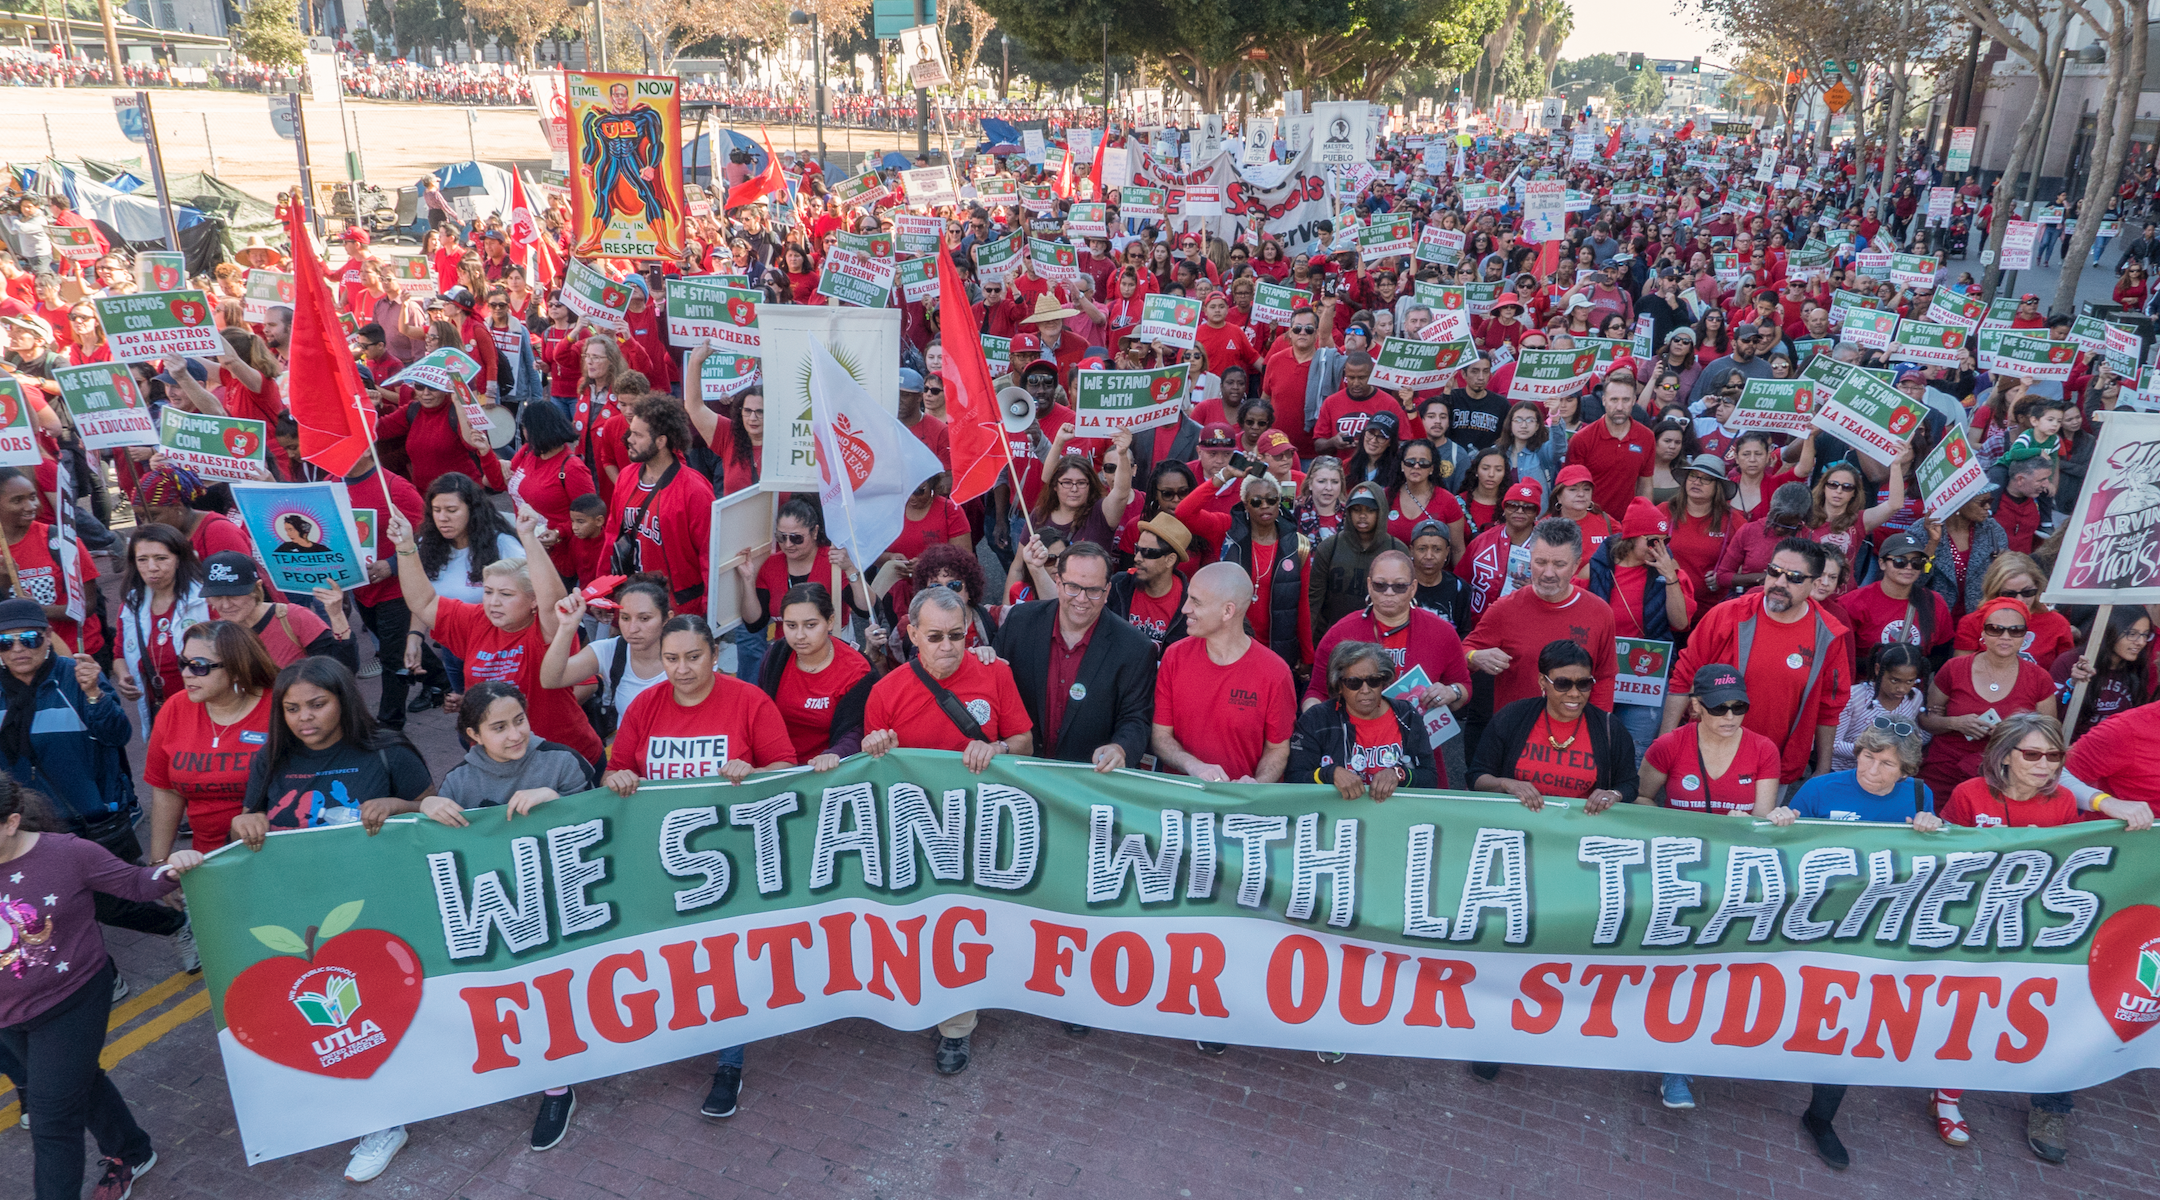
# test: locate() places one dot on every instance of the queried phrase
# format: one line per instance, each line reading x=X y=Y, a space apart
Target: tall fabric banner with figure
x=2112 y=553
x=626 y=193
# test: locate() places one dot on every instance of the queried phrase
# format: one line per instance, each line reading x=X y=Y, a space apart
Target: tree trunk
x=2006 y=186
x=2112 y=119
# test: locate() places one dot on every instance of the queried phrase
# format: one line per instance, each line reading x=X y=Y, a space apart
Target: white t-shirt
x=454 y=581
x=632 y=683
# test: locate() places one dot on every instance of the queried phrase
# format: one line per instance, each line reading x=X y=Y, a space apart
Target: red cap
x=1218 y=432
x=1623 y=362
x=1645 y=519
x=1572 y=474
x=1024 y=343
x=1526 y=489
x=1275 y=441
x=356 y=234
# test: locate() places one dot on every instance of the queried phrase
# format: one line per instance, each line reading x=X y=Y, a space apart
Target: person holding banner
x=1359 y=740
x=206 y=737
x=1556 y=743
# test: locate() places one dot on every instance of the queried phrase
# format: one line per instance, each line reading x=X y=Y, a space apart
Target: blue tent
x=895 y=161
x=1000 y=131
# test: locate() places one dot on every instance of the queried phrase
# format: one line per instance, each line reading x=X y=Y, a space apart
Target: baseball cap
x=1529 y=490
x=1645 y=519
x=1367 y=494
x=910 y=379
x=1217 y=434
x=1571 y=475
x=1385 y=422
x=1719 y=683
x=1900 y=372
x=1898 y=545
x=1275 y=441
x=1428 y=527
x=22 y=613
x=229 y=573
x=1025 y=343
x=1746 y=331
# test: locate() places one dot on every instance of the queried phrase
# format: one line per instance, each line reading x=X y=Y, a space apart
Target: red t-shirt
x=1688 y=783
x=940 y=525
x=662 y=738
x=807 y=701
x=1696 y=547
x=1615 y=463
x=1979 y=806
x=1444 y=506
x=1878 y=619
x=206 y=763
x=901 y=703
x=1284 y=386
x=1342 y=416
x=1953 y=754
x=1379 y=745
x=1557 y=758
x=1153 y=615
x=2047 y=635
x=514 y=657
x=1230 y=346
x=1231 y=714
x=38 y=578
x=1522 y=624
x=1777 y=668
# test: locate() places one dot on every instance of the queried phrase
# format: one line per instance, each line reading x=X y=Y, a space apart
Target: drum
x=502 y=425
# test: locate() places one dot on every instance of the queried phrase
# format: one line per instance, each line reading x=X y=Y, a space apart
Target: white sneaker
x=184 y=944
x=119 y=987
x=372 y=1156
x=372 y=668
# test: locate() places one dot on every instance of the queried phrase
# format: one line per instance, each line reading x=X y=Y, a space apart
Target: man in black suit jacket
x=1087 y=677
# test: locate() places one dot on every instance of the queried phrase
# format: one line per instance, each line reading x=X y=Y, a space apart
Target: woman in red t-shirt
x=1974 y=692
x=545 y=474
x=205 y=738
x=802 y=276
x=820 y=685
x=30 y=570
x=2018 y=577
x=1712 y=764
x=703 y=724
x=929 y=519
x=1557 y=743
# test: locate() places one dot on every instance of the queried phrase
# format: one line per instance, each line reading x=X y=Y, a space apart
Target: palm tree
x=1552 y=33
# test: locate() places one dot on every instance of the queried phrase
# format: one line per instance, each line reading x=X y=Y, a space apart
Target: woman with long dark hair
x=206 y=736
x=2124 y=675
x=820 y=685
x=463 y=536
x=160 y=598
x=545 y=474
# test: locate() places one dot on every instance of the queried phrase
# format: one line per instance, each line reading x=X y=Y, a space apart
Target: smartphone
x=1246 y=463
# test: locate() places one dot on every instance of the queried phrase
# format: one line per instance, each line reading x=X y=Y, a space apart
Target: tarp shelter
x=895 y=161
x=698 y=160
x=486 y=185
x=1000 y=131
x=134 y=216
x=244 y=214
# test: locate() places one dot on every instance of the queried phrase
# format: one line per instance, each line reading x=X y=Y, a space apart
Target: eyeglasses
x=2053 y=756
x=1422 y=464
x=1396 y=588
x=1736 y=708
x=1834 y=486
x=1151 y=553
x=2003 y=630
x=30 y=639
x=1906 y=562
x=199 y=667
x=1788 y=576
x=1074 y=591
x=2022 y=593
x=938 y=637
x=1899 y=729
x=1558 y=684
x=791 y=539
x=1358 y=683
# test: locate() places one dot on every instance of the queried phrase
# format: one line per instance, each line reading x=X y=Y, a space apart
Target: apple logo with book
x=335 y=1002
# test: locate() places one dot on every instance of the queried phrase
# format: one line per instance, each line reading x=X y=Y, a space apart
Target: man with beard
x=1791 y=653
x=667 y=510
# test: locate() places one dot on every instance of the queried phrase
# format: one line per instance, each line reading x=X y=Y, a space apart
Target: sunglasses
x=1257 y=502
x=1898 y=729
x=1787 y=576
x=2023 y=593
x=1422 y=464
x=1306 y=329
x=1151 y=553
x=1907 y=562
x=1168 y=494
x=1558 y=684
x=27 y=640
x=1358 y=683
x=2053 y=756
x=1217 y=443
x=1838 y=487
x=940 y=637
x=791 y=539
x=2003 y=630
x=1737 y=708
x=1389 y=589
x=1518 y=506
x=199 y=667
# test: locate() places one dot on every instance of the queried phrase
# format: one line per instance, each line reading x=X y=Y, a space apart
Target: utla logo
x=1186 y=314
x=1902 y=421
x=189 y=313
x=1162 y=390
x=741 y=311
x=1957 y=452
x=2123 y=970
x=10 y=408
x=854 y=452
x=338 y=1008
x=239 y=443
x=614 y=297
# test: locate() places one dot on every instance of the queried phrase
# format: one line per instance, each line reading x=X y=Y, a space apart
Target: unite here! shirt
x=662 y=738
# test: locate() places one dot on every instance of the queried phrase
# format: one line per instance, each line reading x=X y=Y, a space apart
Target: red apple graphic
x=2123 y=970
x=338 y=1008
x=10 y=408
x=1187 y=315
x=1958 y=453
x=1952 y=339
x=239 y=443
x=614 y=297
x=742 y=312
x=1163 y=389
x=187 y=312
x=1902 y=420
x=854 y=451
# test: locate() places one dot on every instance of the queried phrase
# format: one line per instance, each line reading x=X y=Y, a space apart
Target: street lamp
x=817 y=49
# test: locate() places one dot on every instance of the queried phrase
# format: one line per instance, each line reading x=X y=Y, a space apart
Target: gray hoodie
x=480 y=781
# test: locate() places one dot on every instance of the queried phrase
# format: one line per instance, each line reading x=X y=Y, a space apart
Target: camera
x=1241 y=461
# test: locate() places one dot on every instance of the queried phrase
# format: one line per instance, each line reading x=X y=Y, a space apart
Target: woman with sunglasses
x=1358 y=740
x=1259 y=536
x=1973 y=692
x=1890 y=698
x=949 y=567
x=1419 y=496
x=86 y=337
x=1255 y=417
x=800 y=555
x=1839 y=518
x=2019 y=577
x=2125 y=676
x=206 y=735
x=1557 y=743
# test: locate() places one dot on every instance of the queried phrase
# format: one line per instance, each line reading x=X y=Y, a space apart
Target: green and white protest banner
x=1607 y=350
x=858 y=279
x=1644 y=667
x=929 y=186
x=997 y=352
x=1107 y=401
x=1143 y=203
x=1928 y=342
x=438 y=369
x=1385 y=236
x=1483 y=296
x=1808 y=263
x=265 y=290
x=150 y=326
x=415 y=277
x=1874 y=417
x=1450 y=310
x=1874 y=328
x=587 y=292
x=865 y=188
x=1088 y=220
x=1872 y=264
x=1040 y=198
x=1913 y=270
x=106 y=406
x=160 y=270
x=1957 y=308
x=2030 y=356
x=997 y=189
x=1778 y=405
x=1808 y=349
x=2121 y=350
x=1170 y=320
x=2089 y=332
x=1054 y=262
x=18 y=441
x=998 y=259
x=702 y=310
x=368 y=981
x=916 y=279
x=1542 y=374
x=726 y=374
x=212 y=447
x=1480 y=196
x=915 y=234
x=1951 y=474
x=1403 y=363
x=75 y=243
x=869 y=245
x=1274 y=302
x=1642 y=343
x=1440 y=247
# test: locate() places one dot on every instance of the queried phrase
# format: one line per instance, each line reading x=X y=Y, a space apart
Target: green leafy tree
x=269 y=32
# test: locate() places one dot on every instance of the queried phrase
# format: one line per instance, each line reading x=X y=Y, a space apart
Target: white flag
x=868 y=462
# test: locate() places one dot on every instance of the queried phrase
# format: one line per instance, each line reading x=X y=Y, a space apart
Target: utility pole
x=157 y=169
x=922 y=97
x=112 y=47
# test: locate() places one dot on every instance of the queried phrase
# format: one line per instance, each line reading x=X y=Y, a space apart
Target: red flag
x=769 y=182
x=1062 y=183
x=524 y=230
x=1612 y=147
x=1686 y=131
x=1548 y=260
x=979 y=448
x=1095 y=168
x=337 y=422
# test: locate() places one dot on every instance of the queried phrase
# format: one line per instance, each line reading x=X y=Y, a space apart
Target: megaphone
x=1016 y=409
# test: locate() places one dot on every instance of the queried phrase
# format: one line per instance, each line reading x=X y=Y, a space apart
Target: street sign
x=1837 y=97
x=889 y=17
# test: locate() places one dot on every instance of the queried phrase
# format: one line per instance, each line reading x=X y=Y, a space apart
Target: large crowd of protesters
x=1234 y=594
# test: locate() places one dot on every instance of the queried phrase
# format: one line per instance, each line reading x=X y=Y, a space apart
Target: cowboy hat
x=1047 y=309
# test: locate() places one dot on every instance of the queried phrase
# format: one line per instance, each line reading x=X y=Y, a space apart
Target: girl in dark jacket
x=1359 y=740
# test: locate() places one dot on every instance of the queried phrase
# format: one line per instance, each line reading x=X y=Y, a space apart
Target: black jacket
x=1325 y=739
x=846 y=734
x=1117 y=675
x=1510 y=729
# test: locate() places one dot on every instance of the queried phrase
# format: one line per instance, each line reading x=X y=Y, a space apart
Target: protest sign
x=929 y=186
x=76 y=243
x=1644 y=666
x=1641 y=343
x=1440 y=247
x=265 y=290
x=626 y=195
x=1913 y=270
x=1874 y=417
x=106 y=406
x=18 y=442
x=1088 y=220
x=1542 y=374
x=1054 y=262
x=1544 y=210
x=150 y=326
x=865 y=188
x=1170 y=320
x=1202 y=200
x=2111 y=554
x=2089 y=332
x=437 y=369
x=914 y=233
x=369 y=981
x=998 y=259
x=1928 y=342
x=228 y=448
x=1107 y=401
x=2121 y=350
x=160 y=270
x=1274 y=302
x=415 y=277
x=1961 y=309
x=1951 y=474
x=852 y=277
x=587 y=292
x=303 y=534
x=1483 y=297
x=726 y=373
x=1142 y=203
x=2032 y=357
x=2019 y=239
x=1403 y=363
x=702 y=310
x=1778 y=405
x=916 y=278
x=997 y=189
x=1439 y=720
x=1874 y=328
x=997 y=352
x=1385 y=236
x=865 y=342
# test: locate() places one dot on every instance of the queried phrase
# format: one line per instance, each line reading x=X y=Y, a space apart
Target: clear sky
x=1657 y=28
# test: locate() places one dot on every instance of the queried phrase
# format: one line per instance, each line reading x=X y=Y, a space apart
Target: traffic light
x=1634 y=62
x=1695 y=67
